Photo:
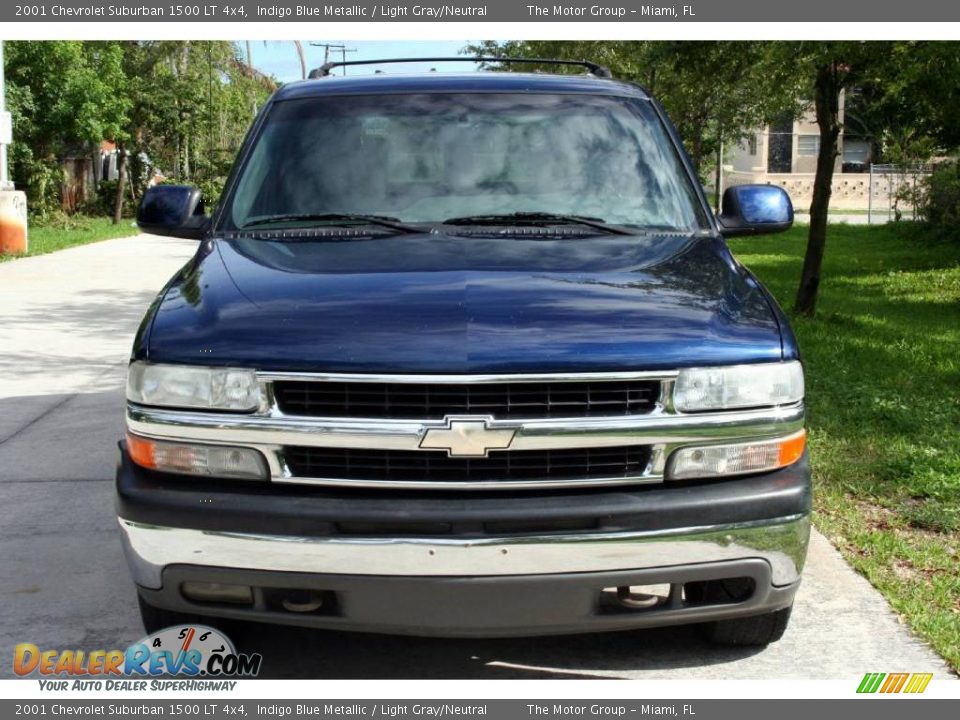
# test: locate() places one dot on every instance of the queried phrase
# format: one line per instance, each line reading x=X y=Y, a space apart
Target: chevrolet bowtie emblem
x=467 y=437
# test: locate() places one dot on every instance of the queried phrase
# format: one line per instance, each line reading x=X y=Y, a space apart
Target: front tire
x=752 y=630
x=746 y=631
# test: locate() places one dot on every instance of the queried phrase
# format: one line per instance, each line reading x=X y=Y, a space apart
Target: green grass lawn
x=78 y=231
x=882 y=363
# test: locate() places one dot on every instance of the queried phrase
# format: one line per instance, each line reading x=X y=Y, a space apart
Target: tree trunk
x=718 y=173
x=696 y=146
x=178 y=176
x=121 y=182
x=186 y=153
x=827 y=101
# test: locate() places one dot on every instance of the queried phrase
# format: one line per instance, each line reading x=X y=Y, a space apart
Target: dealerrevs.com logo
x=191 y=651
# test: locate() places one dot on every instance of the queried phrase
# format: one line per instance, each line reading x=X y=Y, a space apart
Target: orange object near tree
x=13 y=222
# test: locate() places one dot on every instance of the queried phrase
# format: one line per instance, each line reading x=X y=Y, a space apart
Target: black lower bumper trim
x=476 y=606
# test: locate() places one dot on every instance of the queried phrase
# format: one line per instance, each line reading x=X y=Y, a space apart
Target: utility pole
x=327 y=47
x=13 y=204
x=303 y=62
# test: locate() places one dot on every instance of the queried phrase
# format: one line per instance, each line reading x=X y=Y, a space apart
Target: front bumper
x=456 y=565
x=780 y=543
x=486 y=606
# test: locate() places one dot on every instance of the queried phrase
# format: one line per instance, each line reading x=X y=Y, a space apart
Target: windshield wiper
x=539 y=219
x=334 y=218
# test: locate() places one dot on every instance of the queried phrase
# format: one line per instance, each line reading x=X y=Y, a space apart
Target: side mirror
x=175 y=210
x=755 y=210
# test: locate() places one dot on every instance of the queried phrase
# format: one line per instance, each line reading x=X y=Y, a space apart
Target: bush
x=939 y=204
x=101 y=204
x=210 y=189
x=41 y=181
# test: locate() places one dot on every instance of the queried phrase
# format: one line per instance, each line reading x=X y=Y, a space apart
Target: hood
x=450 y=304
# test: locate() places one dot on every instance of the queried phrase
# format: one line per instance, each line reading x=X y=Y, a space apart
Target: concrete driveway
x=66 y=325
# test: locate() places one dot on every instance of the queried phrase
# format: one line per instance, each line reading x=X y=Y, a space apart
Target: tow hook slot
x=303 y=601
x=646 y=597
x=639 y=600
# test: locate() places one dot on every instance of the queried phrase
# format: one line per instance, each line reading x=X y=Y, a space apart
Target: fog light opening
x=728 y=591
x=211 y=592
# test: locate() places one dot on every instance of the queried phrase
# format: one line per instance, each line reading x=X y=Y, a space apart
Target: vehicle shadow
x=297 y=653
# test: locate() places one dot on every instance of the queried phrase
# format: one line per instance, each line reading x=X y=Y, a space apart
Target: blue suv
x=466 y=355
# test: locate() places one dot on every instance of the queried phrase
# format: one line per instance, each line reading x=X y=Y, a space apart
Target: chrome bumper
x=781 y=542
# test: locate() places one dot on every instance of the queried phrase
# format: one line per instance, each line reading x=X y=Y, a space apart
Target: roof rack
x=593 y=68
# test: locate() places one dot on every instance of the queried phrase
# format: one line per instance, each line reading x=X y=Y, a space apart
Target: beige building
x=785 y=154
x=787 y=147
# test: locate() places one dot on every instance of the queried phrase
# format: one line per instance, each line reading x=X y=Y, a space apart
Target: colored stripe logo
x=894 y=683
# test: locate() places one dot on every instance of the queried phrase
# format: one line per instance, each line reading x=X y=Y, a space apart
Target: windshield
x=425 y=158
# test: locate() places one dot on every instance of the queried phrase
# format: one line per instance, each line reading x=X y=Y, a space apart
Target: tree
x=62 y=95
x=910 y=95
x=180 y=107
x=193 y=103
x=832 y=76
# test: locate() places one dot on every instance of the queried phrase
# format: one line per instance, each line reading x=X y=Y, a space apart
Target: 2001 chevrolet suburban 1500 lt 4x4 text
x=466 y=355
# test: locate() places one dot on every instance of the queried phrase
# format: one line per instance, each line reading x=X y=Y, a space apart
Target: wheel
x=752 y=630
x=156 y=619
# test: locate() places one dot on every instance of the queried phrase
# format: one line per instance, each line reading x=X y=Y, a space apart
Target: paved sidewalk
x=66 y=326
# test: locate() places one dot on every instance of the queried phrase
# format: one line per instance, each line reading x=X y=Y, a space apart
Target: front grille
x=434 y=401
x=516 y=465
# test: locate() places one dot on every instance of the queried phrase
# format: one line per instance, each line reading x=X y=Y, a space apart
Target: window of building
x=752 y=145
x=808 y=145
x=780 y=145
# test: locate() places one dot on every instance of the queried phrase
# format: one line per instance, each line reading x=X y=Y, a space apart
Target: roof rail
x=593 y=68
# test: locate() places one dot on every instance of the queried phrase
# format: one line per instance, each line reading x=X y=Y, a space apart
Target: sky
x=279 y=58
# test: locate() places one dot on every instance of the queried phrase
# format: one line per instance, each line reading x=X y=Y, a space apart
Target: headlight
x=749 y=457
x=738 y=386
x=205 y=460
x=188 y=386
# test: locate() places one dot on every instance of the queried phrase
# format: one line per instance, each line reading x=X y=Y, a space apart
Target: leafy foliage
x=63 y=96
x=180 y=108
x=909 y=104
x=939 y=200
